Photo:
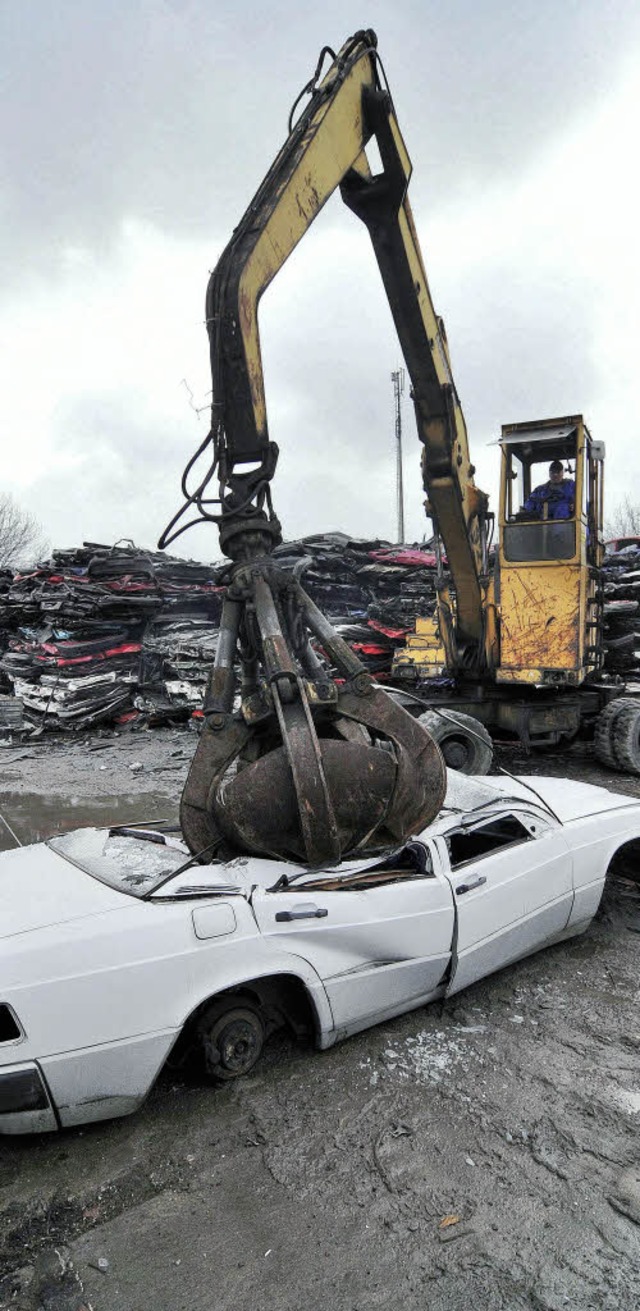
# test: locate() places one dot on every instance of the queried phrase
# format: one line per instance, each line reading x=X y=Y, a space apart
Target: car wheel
x=626 y=739
x=232 y=1038
x=464 y=742
x=603 y=740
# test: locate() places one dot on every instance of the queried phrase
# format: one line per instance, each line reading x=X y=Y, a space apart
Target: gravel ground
x=479 y=1152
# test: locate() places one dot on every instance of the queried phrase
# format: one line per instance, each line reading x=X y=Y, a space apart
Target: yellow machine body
x=541 y=604
x=542 y=628
x=423 y=655
x=549 y=603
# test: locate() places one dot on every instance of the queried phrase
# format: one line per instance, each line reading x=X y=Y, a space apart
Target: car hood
x=567 y=800
x=39 y=888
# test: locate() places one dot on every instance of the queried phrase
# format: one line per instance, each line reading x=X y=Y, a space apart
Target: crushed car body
x=114 y=944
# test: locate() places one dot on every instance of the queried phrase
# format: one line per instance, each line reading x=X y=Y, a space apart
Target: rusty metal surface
x=318 y=824
x=214 y=754
x=541 y=617
x=259 y=807
x=334 y=645
x=420 y=783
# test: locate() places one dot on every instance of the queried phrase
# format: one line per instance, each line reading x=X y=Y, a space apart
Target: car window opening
x=481 y=841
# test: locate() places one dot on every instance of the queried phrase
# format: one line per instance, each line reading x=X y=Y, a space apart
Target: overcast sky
x=134 y=134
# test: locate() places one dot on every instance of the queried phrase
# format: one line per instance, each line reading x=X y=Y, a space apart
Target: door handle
x=305 y=913
x=468 y=887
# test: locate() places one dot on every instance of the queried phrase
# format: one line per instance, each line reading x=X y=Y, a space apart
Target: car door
x=512 y=878
x=379 y=947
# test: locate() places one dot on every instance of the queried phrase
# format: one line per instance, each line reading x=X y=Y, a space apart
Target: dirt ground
x=483 y=1152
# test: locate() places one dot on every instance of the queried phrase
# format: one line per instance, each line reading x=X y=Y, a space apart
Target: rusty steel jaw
x=305 y=769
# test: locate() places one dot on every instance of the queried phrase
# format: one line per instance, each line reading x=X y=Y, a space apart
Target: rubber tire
x=465 y=743
x=232 y=1037
x=603 y=740
x=626 y=739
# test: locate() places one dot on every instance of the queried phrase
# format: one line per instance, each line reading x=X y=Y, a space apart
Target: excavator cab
x=550 y=551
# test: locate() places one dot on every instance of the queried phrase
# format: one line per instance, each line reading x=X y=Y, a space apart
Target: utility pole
x=397 y=378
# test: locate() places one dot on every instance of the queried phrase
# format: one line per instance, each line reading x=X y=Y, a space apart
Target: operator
x=558 y=494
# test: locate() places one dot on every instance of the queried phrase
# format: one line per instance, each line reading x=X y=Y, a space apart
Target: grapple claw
x=305 y=769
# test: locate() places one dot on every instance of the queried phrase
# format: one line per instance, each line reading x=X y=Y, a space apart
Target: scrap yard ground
x=482 y=1152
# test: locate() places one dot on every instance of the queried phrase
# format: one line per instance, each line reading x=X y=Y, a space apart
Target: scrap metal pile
x=84 y=637
x=101 y=635
x=118 y=635
x=621 y=612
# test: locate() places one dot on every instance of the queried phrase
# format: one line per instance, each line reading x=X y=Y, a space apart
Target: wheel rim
x=239 y=1044
x=455 y=751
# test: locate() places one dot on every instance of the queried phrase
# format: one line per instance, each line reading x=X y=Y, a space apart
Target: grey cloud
x=121 y=473
x=171 y=111
x=520 y=340
x=521 y=348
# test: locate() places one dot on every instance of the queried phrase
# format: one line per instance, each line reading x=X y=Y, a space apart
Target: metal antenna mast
x=397 y=378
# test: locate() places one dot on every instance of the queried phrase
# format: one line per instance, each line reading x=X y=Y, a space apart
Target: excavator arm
x=327 y=150
x=331 y=740
x=456 y=505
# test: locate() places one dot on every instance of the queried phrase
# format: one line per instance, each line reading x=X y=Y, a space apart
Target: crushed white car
x=117 y=951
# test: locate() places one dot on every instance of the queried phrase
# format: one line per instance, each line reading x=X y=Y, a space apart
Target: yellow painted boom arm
x=326 y=150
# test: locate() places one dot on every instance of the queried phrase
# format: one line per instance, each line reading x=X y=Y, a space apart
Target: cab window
x=540 y=515
x=540 y=541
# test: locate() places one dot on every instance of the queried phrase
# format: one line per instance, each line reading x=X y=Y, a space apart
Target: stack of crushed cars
x=622 y=614
x=117 y=635
x=80 y=638
x=370 y=590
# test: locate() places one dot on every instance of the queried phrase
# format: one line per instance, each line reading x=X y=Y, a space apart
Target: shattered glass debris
x=121 y=861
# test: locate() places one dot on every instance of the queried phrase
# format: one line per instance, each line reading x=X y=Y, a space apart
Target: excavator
x=306 y=766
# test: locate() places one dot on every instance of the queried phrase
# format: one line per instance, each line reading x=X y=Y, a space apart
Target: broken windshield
x=125 y=863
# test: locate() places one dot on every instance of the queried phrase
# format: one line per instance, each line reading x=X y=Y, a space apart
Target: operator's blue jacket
x=560 y=498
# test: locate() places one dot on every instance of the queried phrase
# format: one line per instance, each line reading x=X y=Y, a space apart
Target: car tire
x=232 y=1036
x=603 y=740
x=626 y=739
x=464 y=742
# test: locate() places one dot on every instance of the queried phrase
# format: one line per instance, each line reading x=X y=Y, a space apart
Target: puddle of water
x=33 y=817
